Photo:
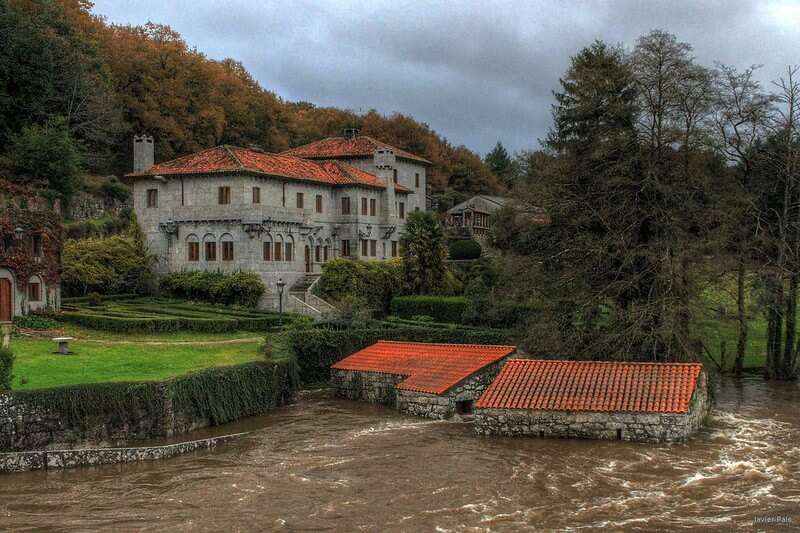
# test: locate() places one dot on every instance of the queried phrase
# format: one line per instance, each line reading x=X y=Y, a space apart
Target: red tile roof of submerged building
x=343 y=147
x=431 y=368
x=232 y=159
x=593 y=386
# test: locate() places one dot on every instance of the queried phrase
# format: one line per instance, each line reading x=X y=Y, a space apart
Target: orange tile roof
x=431 y=368
x=592 y=386
x=234 y=159
x=361 y=146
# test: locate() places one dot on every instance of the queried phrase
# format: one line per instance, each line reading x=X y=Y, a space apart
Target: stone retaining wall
x=639 y=427
x=41 y=460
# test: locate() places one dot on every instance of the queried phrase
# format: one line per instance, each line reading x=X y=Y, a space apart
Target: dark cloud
x=476 y=72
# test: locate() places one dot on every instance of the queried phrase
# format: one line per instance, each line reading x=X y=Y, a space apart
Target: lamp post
x=280 y=284
x=18 y=231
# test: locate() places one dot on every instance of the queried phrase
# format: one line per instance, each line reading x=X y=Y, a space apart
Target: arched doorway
x=308 y=258
x=5 y=300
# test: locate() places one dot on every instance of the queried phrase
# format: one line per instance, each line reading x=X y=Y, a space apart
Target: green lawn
x=36 y=366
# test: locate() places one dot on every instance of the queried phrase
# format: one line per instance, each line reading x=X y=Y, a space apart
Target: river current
x=323 y=464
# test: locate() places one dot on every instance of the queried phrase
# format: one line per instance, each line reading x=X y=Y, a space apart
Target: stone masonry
x=659 y=428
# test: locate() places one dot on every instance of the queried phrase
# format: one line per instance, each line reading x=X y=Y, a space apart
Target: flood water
x=325 y=464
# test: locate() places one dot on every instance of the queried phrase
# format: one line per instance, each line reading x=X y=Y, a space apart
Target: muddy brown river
x=325 y=464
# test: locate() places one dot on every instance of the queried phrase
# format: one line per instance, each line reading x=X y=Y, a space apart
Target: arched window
x=226 y=244
x=267 y=253
x=209 y=247
x=289 y=256
x=278 y=248
x=35 y=289
x=192 y=247
x=326 y=250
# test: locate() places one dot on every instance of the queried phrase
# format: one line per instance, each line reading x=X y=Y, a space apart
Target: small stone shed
x=644 y=402
x=431 y=380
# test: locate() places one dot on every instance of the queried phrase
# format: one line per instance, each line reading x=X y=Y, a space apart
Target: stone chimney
x=350 y=133
x=385 y=163
x=143 y=154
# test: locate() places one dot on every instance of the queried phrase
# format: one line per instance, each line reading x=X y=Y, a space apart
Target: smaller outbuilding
x=431 y=380
x=642 y=402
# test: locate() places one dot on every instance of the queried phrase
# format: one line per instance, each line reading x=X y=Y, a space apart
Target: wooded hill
x=68 y=76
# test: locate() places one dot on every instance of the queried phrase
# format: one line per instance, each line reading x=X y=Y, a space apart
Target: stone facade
x=656 y=428
x=381 y=388
x=41 y=460
x=188 y=211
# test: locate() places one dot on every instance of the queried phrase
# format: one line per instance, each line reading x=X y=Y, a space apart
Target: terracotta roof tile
x=234 y=159
x=592 y=386
x=431 y=368
x=361 y=146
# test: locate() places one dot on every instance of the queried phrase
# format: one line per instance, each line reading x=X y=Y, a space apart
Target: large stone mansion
x=279 y=215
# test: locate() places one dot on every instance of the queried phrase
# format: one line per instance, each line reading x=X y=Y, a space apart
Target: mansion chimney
x=143 y=154
x=385 y=166
x=350 y=133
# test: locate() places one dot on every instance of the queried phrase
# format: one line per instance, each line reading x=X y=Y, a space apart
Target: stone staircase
x=302 y=300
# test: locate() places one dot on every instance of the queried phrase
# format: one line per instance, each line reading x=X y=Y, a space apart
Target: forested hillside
x=73 y=85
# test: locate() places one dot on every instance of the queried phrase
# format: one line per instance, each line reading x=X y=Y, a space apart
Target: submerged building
x=431 y=380
x=643 y=402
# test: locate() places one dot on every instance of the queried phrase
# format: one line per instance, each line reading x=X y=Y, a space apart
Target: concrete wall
x=639 y=427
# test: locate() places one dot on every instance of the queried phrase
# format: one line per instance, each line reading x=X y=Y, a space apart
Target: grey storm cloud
x=476 y=72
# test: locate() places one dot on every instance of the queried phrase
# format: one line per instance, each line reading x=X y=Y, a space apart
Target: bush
x=372 y=282
x=34 y=322
x=110 y=265
x=116 y=190
x=465 y=249
x=6 y=368
x=317 y=350
x=242 y=288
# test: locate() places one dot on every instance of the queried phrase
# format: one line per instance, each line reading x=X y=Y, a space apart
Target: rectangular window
x=345 y=206
x=278 y=251
x=224 y=195
x=289 y=251
x=373 y=248
x=345 y=248
x=36 y=245
x=267 y=251
x=193 y=251
x=227 y=251
x=256 y=195
x=416 y=180
x=152 y=197
x=319 y=203
x=394 y=175
x=365 y=248
x=416 y=208
x=372 y=206
x=211 y=251
x=402 y=210
x=364 y=206
x=394 y=248
x=34 y=292
x=299 y=200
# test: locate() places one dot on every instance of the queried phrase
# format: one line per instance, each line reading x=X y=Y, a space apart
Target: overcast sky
x=477 y=72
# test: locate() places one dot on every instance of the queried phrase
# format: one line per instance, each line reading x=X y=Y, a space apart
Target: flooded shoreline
x=341 y=465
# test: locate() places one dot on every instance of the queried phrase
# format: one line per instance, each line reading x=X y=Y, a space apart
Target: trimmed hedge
x=450 y=309
x=6 y=368
x=241 y=288
x=463 y=310
x=36 y=322
x=316 y=350
x=465 y=249
x=218 y=395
